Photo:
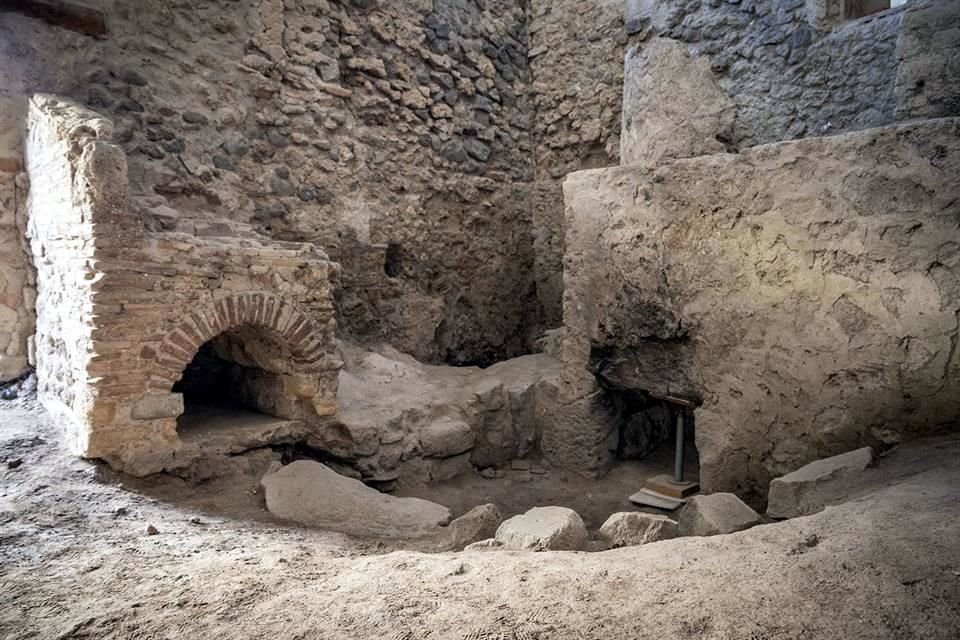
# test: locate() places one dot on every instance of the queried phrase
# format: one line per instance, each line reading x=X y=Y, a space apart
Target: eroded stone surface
x=776 y=285
x=480 y=523
x=446 y=437
x=544 y=529
x=716 y=514
x=674 y=106
x=310 y=493
x=631 y=528
x=808 y=489
x=400 y=419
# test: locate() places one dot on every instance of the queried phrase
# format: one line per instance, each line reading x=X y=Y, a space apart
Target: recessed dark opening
x=392 y=260
x=218 y=391
x=647 y=421
x=854 y=9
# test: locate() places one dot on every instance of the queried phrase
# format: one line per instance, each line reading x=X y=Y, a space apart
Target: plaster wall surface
x=807 y=292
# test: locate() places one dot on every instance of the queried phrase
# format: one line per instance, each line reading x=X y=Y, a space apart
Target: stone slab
x=666 y=485
x=313 y=494
x=809 y=488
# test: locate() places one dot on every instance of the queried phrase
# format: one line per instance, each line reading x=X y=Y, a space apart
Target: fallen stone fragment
x=311 y=493
x=544 y=529
x=151 y=530
x=484 y=545
x=446 y=437
x=808 y=489
x=715 y=514
x=477 y=524
x=631 y=528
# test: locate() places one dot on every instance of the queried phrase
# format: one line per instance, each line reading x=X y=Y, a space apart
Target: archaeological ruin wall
x=806 y=294
x=697 y=85
x=422 y=145
x=123 y=310
x=795 y=68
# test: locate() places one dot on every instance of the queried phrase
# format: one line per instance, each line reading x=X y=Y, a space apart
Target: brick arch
x=277 y=316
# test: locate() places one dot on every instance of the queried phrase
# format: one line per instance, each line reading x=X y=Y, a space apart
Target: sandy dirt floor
x=76 y=562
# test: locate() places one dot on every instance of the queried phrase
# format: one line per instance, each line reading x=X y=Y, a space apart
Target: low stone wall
x=122 y=312
x=807 y=293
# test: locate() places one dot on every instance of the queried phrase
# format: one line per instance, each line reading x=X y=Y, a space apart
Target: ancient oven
x=130 y=321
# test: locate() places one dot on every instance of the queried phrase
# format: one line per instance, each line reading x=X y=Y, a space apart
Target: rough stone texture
x=929 y=55
x=673 y=105
x=480 y=523
x=399 y=419
x=795 y=68
x=809 y=488
x=422 y=144
x=446 y=437
x=631 y=528
x=716 y=514
x=807 y=292
x=396 y=137
x=310 y=493
x=544 y=529
x=490 y=544
x=122 y=310
x=409 y=139
x=576 y=64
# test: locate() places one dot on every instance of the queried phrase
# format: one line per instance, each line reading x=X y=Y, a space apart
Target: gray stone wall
x=807 y=292
x=794 y=71
x=929 y=55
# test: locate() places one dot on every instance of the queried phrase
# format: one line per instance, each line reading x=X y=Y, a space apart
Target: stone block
x=168 y=405
x=720 y=304
x=544 y=529
x=479 y=523
x=446 y=437
x=716 y=514
x=631 y=528
x=809 y=488
x=311 y=493
x=673 y=105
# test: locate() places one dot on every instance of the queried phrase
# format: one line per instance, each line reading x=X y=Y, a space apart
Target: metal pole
x=678 y=460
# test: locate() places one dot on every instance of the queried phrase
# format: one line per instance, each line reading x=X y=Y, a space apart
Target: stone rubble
x=716 y=514
x=544 y=529
x=310 y=493
x=808 y=489
x=632 y=528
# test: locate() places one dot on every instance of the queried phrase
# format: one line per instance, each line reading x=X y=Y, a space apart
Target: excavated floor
x=76 y=562
x=520 y=489
x=206 y=422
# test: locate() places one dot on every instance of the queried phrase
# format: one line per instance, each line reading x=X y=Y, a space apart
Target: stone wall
x=122 y=311
x=408 y=139
x=23 y=70
x=576 y=55
x=384 y=132
x=793 y=69
x=807 y=293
